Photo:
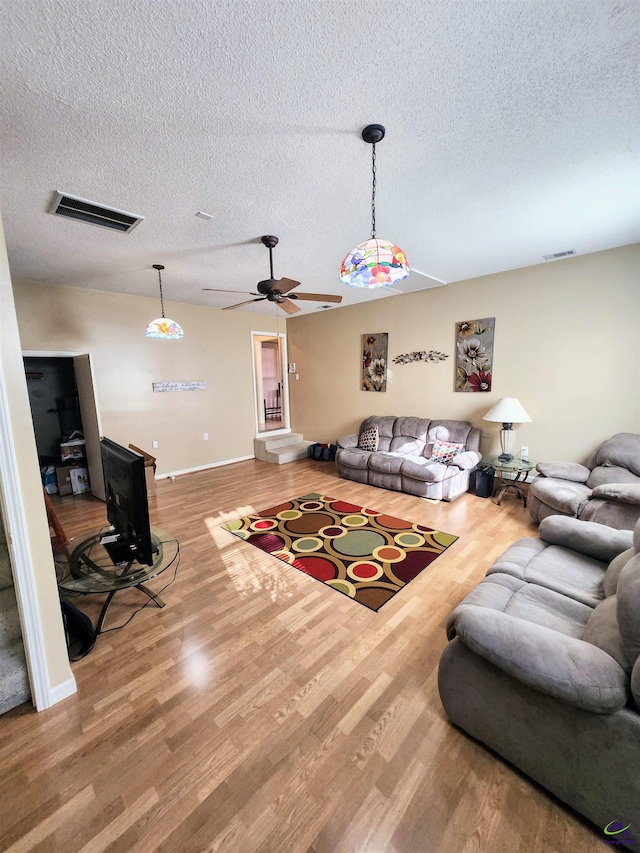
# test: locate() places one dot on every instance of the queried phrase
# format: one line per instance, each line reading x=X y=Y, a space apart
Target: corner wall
x=565 y=345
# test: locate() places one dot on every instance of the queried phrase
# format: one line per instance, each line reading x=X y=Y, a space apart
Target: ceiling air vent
x=87 y=211
x=557 y=255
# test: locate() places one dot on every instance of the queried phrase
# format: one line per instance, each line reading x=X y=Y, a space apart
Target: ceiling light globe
x=375 y=263
x=165 y=328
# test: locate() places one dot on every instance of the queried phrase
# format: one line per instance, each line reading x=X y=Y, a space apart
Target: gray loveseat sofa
x=606 y=489
x=543 y=665
x=403 y=459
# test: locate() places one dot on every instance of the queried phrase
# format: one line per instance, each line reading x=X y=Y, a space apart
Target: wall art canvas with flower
x=474 y=354
x=374 y=361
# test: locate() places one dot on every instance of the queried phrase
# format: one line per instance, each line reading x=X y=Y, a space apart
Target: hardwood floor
x=261 y=710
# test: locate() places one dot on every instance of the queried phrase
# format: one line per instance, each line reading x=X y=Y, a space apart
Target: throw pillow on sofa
x=368 y=439
x=444 y=451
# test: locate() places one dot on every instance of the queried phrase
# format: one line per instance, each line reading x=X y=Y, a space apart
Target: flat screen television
x=125 y=489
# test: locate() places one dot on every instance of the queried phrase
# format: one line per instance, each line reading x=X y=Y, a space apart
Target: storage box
x=149 y=468
x=63 y=476
x=79 y=480
x=72 y=449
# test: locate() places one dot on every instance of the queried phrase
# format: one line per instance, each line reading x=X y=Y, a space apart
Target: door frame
x=284 y=397
x=91 y=400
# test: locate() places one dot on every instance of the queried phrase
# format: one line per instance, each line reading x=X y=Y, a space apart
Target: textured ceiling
x=512 y=132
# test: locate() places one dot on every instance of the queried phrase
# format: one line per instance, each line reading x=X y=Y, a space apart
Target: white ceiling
x=512 y=132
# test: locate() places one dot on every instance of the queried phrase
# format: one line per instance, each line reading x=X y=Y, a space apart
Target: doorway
x=64 y=408
x=269 y=381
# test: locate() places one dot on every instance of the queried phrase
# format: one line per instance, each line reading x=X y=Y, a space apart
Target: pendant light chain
x=373 y=192
x=161 y=299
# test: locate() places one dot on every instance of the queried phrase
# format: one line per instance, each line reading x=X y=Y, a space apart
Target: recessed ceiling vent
x=559 y=255
x=87 y=211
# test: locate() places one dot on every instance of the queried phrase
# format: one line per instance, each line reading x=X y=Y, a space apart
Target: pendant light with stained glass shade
x=376 y=262
x=163 y=327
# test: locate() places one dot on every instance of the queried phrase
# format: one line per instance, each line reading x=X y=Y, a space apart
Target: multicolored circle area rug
x=363 y=553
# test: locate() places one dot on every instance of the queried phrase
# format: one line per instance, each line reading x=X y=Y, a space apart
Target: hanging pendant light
x=163 y=327
x=374 y=263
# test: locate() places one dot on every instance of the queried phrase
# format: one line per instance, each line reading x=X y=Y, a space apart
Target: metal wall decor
x=420 y=355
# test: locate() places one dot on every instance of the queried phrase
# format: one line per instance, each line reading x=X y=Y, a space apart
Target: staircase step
x=288 y=452
x=263 y=446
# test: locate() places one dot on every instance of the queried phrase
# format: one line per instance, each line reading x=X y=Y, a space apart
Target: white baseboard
x=203 y=467
x=61 y=691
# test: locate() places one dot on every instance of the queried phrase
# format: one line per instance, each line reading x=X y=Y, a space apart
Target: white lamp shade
x=508 y=410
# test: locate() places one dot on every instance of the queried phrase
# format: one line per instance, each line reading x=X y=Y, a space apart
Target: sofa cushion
x=562 y=495
x=563 y=667
x=602 y=631
x=629 y=607
x=621 y=450
x=564 y=471
x=456 y=431
x=604 y=474
x=526 y=601
x=444 y=451
x=419 y=468
x=386 y=463
x=355 y=458
x=368 y=439
x=586 y=537
x=385 y=424
x=610 y=583
x=559 y=569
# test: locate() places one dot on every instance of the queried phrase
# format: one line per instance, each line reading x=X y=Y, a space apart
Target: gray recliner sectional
x=403 y=460
x=543 y=665
x=606 y=489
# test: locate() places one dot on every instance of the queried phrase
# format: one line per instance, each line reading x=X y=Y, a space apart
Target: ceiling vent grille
x=92 y=213
x=559 y=255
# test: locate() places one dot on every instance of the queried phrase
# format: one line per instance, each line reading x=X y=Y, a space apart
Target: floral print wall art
x=374 y=361
x=474 y=354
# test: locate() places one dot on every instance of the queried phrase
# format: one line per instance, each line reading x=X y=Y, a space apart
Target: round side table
x=516 y=466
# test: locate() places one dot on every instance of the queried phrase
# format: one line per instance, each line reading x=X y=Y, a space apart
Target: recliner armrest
x=627 y=493
x=594 y=540
x=347 y=441
x=572 y=471
x=568 y=669
x=467 y=459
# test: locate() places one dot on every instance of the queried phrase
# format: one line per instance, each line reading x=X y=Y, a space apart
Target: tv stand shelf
x=83 y=566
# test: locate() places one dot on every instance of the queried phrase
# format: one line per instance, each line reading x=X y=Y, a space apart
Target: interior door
x=90 y=422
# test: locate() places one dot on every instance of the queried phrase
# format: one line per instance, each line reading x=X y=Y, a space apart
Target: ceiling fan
x=277 y=289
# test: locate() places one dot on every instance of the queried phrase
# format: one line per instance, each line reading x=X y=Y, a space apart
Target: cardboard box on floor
x=65 y=483
x=149 y=468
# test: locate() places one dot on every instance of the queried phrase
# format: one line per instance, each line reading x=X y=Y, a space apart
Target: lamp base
x=505 y=457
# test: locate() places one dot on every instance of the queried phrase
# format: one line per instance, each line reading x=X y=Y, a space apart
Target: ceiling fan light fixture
x=163 y=327
x=376 y=262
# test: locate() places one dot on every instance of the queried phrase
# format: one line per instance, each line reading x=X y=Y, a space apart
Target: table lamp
x=507 y=411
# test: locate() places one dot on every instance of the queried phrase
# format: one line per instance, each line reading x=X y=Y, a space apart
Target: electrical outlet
x=524 y=452
x=206 y=436
x=154 y=444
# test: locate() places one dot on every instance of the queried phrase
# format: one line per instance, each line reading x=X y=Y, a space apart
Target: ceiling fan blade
x=288 y=306
x=239 y=292
x=248 y=302
x=317 y=297
x=284 y=285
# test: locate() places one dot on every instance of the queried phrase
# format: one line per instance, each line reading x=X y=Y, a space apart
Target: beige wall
x=216 y=348
x=566 y=345
x=38 y=543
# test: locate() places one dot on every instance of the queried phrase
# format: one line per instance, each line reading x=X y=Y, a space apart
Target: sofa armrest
x=594 y=540
x=467 y=459
x=627 y=493
x=347 y=441
x=564 y=471
x=563 y=667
